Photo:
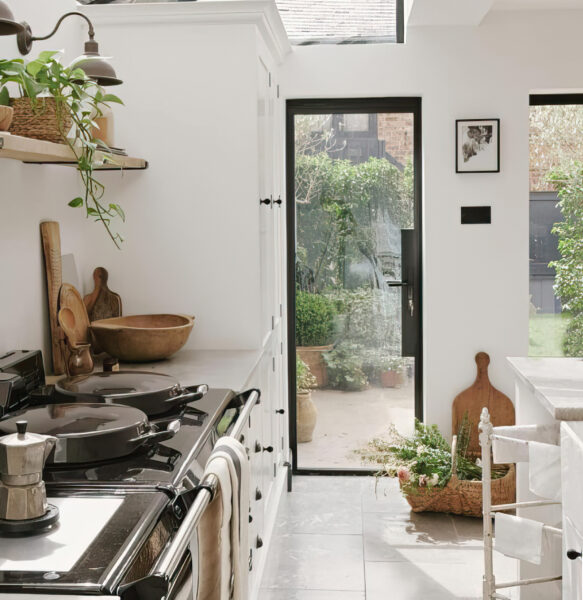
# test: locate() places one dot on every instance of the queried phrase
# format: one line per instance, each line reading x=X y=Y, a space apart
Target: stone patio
x=348 y=420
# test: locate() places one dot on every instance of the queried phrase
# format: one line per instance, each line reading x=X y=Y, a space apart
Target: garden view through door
x=356 y=262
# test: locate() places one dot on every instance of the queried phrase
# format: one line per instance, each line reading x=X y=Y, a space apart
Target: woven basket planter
x=461 y=497
x=40 y=119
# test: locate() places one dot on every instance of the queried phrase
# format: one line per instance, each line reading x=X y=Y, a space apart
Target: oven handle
x=252 y=400
x=170 y=559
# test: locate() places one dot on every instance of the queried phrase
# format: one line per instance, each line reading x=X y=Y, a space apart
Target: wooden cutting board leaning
x=479 y=395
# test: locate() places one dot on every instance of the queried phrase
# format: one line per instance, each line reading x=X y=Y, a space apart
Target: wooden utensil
x=79 y=360
x=481 y=394
x=77 y=322
x=102 y=303
x=51 y=242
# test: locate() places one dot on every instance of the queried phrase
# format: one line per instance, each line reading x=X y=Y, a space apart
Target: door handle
x=410 y=301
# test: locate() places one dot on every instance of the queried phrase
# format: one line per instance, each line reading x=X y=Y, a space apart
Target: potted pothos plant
x=307 y=413
x=315 y=327
x=61 y=103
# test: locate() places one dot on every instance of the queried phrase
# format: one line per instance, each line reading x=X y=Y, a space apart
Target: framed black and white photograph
x=477 y=146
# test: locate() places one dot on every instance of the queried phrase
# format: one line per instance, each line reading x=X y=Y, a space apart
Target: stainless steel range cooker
x=127 y=525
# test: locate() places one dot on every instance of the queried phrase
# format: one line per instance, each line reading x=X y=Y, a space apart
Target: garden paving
x=348 y=420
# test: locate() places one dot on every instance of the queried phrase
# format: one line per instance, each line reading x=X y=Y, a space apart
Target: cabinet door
x=265 y=133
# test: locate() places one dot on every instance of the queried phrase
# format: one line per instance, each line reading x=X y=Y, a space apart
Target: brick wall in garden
x=396 y=130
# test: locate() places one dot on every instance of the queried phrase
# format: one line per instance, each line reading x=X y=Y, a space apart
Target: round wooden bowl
x=142 y=338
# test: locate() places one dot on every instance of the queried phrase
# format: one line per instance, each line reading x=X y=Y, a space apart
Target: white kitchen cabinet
x=572 y=490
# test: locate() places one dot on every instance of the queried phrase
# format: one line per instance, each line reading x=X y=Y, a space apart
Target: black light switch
x=472 y=215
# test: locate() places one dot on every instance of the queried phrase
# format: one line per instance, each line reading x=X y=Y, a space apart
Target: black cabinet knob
x=268 y=449
x=573 y=554
x=259 y=542
x=266 y=201
x=280 y=411
x=250 y=518
x=278 y=201
x=258 y=494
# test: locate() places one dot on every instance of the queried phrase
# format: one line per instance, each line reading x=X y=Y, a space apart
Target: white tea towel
x=239 y=467
x=519 y=538
x=544 y=470
x=513 y=447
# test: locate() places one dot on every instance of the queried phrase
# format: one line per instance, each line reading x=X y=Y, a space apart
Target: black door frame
x=347 y=105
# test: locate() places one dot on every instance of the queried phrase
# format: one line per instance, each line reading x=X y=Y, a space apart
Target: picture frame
x=477 y=146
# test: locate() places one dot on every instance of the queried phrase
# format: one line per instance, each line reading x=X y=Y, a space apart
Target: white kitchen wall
x=30 y=194
x=476 y=276
x=188 y=90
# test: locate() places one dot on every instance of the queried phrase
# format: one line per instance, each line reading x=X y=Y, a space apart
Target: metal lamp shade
x=98 y=69
x=8 y=26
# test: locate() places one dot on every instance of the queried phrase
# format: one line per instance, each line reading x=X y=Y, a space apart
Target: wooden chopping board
x=70 y=298
x=51 y=243
x=102 y=303
x=481 y=394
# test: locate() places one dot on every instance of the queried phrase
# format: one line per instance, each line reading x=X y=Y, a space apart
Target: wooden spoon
x=68 y=324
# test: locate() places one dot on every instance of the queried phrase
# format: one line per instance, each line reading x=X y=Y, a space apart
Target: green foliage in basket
x=314 y=319
x=424 y=460
x=305 y=381
x=4 y=97
x=84 y=100
x=345 y=368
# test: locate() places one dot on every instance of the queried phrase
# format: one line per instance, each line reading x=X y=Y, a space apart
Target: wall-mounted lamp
x=90 y=61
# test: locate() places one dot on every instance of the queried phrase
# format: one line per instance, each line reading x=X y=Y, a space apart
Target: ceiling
x=537 y=4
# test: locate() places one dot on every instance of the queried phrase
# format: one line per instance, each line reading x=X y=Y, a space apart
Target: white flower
x=434 y=480
x=478 y=462
x=423 y=480
x=421 y=449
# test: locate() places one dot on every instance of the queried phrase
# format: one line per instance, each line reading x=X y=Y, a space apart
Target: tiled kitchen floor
x=337 y=539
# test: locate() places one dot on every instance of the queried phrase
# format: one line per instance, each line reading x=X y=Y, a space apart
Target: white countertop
x=556 y=382
x=217 y=368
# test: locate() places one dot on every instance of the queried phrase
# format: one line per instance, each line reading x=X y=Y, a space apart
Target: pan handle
x=189 y=394
x=158 y=435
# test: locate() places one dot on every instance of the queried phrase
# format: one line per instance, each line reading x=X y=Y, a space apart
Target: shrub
x=305 y=381
x=345 y=368
x=314 y=319
x=569 y=268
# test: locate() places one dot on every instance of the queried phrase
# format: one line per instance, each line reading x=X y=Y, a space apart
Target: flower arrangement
x=424 y=460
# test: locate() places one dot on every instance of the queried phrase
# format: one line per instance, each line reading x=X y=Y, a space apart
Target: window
x=342 y=21
x=556 y=225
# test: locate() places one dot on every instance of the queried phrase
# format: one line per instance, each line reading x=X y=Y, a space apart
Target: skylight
x=340 y=21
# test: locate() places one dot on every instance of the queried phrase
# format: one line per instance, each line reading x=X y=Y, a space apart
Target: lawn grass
x=546 y=333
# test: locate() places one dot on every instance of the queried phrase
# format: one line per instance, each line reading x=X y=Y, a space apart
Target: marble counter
x=556 y=382
x=217 y=368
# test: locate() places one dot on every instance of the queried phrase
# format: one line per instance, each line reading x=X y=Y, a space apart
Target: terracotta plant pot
x=6 y=114
x=312 y=356
x=391 y=379
x=307 y=414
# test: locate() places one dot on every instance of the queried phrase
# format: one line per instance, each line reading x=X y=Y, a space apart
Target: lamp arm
x=69 y=14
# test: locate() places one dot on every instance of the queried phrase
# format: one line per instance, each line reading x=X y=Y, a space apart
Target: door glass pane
x=556 y=230
x=354 y=219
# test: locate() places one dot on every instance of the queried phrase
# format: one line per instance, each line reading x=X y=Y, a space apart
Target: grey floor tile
x=407 y=581
x=385 y=535
x=302 y=512
x=326 y=484
x=315 y=562
x=468 y=530
x=383 y=495
x=273 y=594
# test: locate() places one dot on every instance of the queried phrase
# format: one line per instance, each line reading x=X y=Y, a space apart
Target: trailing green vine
x=84 y=100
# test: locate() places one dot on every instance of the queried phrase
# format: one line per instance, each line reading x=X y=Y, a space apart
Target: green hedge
x=314 y=319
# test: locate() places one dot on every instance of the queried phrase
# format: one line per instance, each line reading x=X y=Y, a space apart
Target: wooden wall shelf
x=33 y=151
